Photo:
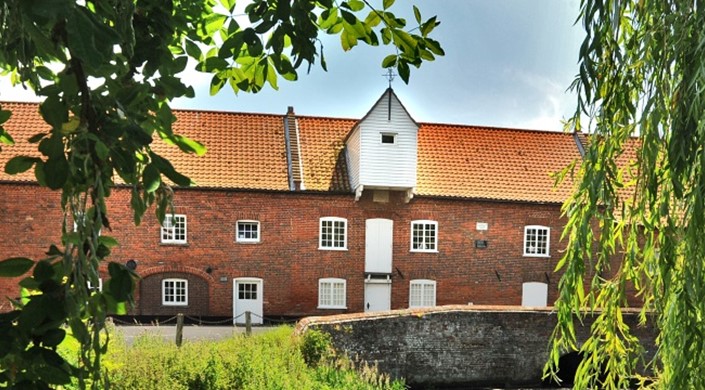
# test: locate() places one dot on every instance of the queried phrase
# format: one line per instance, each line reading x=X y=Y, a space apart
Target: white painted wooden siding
x=378 y=245
x=385 y=165
x=353 y=158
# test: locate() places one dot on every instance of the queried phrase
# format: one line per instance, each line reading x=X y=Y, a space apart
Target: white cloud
x=548 y=104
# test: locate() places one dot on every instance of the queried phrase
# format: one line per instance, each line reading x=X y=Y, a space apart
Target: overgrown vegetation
x=271 y=360
x=106 y=71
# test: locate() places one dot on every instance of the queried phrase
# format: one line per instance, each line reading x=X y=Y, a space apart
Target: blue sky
x=508 y=63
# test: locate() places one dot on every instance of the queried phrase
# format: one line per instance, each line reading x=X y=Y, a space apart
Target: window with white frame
x=422 y=293
x=424 y=236
x=333 y=233
x=537 y=240
x=247 y=231
x=331 y=293
x=174 y=229
x=388 y=138
x=174 y=292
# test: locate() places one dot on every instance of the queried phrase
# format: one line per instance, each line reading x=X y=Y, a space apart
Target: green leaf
x=120 y=285
x=19 y=164
x=355 y=5
x=372 y=19
x=217 y=84
x=108 y=241
x=213 y=23
x=89 y=39
x=56 y=171
x=328 y=18
x=53 y=337
x=4 y=116
x=389 y=61
x=192 y=49
x=55 y=375
x=347 y=40
x=168 y=170
x=387 y=3
x=43 y=271
x=29 y=284
x=428 y=27
x=151 y=178
x=36 y=138
x=348 y=17
x=188 y=145
x=102 y=150
x=272 y=75
x=403 y=70
x=54 y=111
x=403 y=40
x=417 y=14
x=5 y=137
x=15 y=266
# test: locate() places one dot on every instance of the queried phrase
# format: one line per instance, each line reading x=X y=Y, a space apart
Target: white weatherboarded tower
x=382 y=149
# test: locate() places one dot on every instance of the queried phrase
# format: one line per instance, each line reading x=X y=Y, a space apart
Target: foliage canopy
x=106 y=71
x=641 y=83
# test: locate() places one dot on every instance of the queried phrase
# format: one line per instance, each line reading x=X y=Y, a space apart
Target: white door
x=378 y=245
x=247 y=296
x=534 y=294
x=378 y=295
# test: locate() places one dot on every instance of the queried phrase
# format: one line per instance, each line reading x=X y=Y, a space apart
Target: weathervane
x=390 y=75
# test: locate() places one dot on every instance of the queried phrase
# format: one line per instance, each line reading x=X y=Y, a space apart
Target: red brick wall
x=288 y=259
x=150 y=288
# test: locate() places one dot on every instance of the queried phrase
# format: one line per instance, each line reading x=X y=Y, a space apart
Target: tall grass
x=270 y=360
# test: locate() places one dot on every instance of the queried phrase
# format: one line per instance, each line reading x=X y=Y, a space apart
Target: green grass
x=270 y=360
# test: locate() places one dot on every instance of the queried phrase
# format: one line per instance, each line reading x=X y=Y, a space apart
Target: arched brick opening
x=567 y=367
x=149 y=301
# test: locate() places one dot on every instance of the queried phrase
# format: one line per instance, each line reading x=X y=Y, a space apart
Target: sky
x=508 y=63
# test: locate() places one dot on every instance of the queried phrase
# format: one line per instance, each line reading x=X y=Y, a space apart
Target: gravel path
x=191 y=332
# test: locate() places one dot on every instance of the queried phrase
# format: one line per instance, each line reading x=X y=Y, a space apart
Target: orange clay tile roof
x=243 y=150
x=322 y=153
x=492 y=163
x=247 y=151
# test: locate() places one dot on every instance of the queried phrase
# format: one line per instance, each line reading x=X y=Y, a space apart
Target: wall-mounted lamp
x=209 y=269
x=131 y=264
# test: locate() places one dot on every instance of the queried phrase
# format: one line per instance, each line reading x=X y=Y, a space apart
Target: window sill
x=174 y=304
x=247 y=242
x=535 y=255
x=333 y=307
x=423 y=250
x=320 y=248
x=174 y=243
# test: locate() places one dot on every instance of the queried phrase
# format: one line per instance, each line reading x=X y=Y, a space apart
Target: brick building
x=299 y=215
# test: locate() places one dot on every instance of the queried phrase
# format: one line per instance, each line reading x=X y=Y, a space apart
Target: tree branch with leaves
x=106 y=72
x=641 y=86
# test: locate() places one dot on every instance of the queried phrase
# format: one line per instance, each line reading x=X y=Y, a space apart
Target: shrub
x=270 y=360
x=315 y=346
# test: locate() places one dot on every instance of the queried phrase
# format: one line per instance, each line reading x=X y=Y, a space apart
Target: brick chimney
x=293 y=150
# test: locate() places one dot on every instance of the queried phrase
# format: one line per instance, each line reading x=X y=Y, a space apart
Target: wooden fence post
x=248 y=323
x=179 y=329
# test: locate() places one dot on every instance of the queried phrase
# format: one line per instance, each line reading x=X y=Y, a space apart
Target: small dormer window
x=389 y=138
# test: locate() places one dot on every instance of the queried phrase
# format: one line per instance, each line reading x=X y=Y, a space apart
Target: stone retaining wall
x=455 y=345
